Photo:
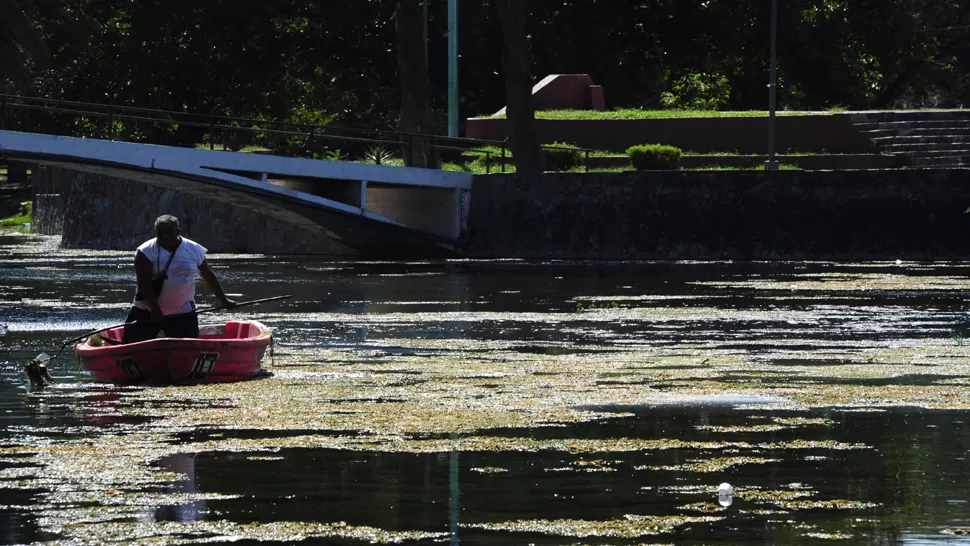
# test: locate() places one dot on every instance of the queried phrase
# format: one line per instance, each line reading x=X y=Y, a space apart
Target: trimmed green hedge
x=561 y=159
x=654 y=157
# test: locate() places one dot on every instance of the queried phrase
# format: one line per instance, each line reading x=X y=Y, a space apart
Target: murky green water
x=504 y=402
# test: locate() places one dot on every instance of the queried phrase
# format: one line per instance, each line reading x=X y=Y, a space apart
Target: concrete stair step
x=921 y=139
x=918 y=115
x=939 y=153
x=948 y=131
x=938 y=167
x=919 y=145
x=926 y=152
x=879 y=133
x=906 y=125
x=943 y=132
x=946 y=161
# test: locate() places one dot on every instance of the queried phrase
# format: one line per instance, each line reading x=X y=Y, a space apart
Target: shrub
x=654 y=157
x=697 y=91
x=561 y=158
x=286 y=144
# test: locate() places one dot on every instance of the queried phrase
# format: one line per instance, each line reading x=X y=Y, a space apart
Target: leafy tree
x=18 y=39
x=358 y=63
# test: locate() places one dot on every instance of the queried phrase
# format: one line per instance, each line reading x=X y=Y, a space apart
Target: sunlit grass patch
x=18 y=221
x=639 y=113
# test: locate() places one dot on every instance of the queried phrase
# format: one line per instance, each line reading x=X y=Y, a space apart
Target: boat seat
x=238 y=330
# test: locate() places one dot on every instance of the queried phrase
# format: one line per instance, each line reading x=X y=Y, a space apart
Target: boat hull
x=230 y=352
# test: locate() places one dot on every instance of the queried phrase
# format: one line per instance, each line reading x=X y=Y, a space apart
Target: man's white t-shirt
x=178 y=290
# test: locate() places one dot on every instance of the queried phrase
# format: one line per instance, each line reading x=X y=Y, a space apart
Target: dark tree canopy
x=339 y=62
x=18 y=39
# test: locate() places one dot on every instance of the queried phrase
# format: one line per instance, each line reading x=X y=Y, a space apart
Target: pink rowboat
x=226 y=352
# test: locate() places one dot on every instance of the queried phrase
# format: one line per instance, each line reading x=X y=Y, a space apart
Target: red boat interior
x=231 y=330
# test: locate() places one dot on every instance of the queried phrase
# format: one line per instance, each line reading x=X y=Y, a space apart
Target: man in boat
x=166 y=268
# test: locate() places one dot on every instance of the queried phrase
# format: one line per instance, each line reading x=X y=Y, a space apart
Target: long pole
x=773 y=87
x=453 y=68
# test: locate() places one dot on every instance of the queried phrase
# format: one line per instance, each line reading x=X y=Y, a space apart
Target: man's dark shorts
x=184 y=325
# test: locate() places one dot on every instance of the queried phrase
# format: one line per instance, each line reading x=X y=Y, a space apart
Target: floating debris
x=740 y=428
x=226 y=531
x=711 y=465
x=489 y=470
x=825 y=505
x=757 y=495
x=452 y=393
x=702 y=507
x=37 y=373
x=632 y=526
x=829 y=536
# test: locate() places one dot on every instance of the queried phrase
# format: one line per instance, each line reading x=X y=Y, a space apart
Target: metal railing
x=189 y=129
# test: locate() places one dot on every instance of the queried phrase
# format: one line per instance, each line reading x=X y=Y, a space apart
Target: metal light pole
x=424 y=30
x=453 y=68
x=771 y=165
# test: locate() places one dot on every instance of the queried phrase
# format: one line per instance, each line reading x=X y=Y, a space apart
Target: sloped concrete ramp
x=242 y=182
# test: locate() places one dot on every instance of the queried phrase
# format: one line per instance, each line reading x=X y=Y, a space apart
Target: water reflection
x=454 y=497
x=186 y=512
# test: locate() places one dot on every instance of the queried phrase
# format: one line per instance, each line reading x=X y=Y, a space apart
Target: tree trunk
x=417 y=115
x=516 y=61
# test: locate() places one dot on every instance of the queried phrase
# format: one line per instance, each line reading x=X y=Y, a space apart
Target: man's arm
x=143 y=274
x=212 y=282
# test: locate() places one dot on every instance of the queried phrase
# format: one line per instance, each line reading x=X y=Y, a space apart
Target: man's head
x=167 y=230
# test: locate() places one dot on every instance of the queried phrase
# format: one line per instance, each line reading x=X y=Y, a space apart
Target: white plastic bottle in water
x=725 y=494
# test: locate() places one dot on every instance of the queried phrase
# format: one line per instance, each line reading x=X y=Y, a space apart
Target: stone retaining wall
x=48 y=215
x=909 y=214
x=819 y=133
x=102 y=212
x=913 y=214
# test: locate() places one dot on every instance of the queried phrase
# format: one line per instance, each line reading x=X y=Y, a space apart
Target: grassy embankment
x=637 y=113
x=18 y=221
x=474 y=161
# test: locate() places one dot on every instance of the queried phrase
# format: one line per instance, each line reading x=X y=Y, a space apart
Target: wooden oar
x=37 y=366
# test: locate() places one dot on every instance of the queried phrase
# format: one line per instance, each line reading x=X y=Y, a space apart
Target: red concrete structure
x=566 y=92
